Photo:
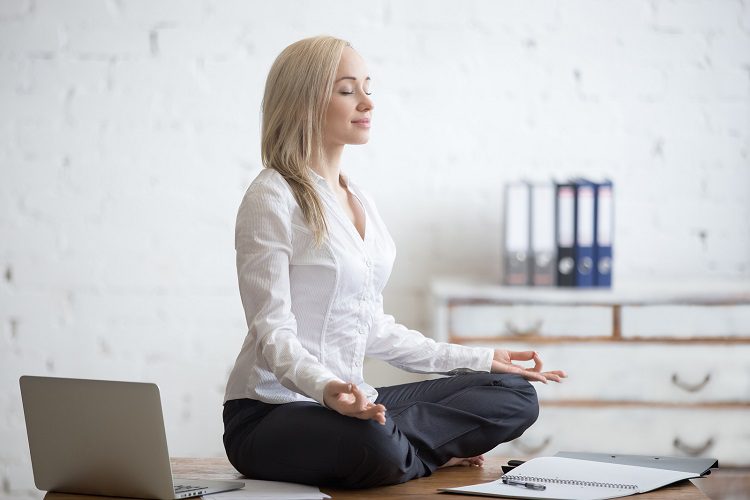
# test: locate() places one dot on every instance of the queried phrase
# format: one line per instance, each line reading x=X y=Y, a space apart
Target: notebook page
x=561 y=468
x=554 y=491
x=577 y=479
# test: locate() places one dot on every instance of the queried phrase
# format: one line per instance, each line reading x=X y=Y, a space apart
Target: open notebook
x=571 y=478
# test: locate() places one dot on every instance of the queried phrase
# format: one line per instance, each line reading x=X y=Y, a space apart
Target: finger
x=534 y=376
x=345 y=390
x=360 y=399
x=510 y=368
x=526 y=373
x=380 y=417
x=375 y=412
x=346 y=399
x=537 y=362
x=345 y=396
x=557 y=376
x=528 y=356
x=378 y=406
x=521 y=355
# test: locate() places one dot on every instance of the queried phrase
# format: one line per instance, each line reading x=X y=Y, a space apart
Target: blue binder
x=585 y=229
x=604 y=234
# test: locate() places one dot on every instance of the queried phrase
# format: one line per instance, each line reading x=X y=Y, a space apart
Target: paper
x=569 y=478
x=270 y=490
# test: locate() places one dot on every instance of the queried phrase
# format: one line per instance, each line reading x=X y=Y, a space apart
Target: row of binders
x=559 y=233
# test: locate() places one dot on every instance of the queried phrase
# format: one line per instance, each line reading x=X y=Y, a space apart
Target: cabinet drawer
x=488 y=320
x=708 y=433
x=649 y=373
x=686 y=321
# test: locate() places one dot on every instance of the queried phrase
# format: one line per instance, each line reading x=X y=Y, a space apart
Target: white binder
x=517 y=234
x=543 y=245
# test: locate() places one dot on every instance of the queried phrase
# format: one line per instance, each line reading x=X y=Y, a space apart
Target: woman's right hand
x=347 y=399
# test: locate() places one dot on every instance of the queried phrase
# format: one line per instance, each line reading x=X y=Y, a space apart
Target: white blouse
x=313 y=314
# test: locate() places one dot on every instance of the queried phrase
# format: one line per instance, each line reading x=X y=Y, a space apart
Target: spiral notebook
x=570 y=478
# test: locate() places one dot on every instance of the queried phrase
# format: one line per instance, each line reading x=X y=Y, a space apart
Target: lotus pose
x=313 y=257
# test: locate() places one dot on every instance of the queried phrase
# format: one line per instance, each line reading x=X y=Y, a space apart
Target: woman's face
x=349 y=112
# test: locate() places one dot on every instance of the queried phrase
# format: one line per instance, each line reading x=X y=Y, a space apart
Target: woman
x=313 y=257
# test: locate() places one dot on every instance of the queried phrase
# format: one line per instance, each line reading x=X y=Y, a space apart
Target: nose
x=365 y=103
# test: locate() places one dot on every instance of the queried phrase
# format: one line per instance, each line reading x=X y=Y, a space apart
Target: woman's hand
x=347 y=399
x=502 y=362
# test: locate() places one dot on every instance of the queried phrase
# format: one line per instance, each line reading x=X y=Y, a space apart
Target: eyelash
x=351 y=93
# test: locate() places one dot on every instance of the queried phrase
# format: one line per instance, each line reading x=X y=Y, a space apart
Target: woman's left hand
x=502 y=362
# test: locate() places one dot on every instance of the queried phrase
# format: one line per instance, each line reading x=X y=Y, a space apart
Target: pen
x=531 y=486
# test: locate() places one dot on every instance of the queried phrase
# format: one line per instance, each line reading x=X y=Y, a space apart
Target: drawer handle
x=532 y=450
x=690 y=387
x=534 y=330
x=693 y=450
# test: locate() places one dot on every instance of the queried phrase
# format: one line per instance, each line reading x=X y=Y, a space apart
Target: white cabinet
x=650 y=371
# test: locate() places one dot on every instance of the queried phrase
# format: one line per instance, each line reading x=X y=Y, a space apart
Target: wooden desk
x=417 y=489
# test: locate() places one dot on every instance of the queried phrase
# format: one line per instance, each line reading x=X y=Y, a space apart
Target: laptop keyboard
x=187 y=488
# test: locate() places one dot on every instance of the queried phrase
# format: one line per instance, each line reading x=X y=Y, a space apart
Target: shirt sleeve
x=411 y=351
x=263 y=241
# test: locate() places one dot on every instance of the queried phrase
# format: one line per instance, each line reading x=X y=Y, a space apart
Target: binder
x=603 y=235
x=543 y=247
x=584 y=229
x=517 y=233
x=697 y=465
x=565 y=233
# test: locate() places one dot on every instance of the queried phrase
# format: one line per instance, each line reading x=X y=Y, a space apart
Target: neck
x=330 y=168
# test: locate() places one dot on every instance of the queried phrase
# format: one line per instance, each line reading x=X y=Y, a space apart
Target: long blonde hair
x=298 y=91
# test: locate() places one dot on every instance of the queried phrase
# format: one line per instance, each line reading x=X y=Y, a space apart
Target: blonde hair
x=298 y=91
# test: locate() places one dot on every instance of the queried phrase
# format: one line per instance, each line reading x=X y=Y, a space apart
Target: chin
x=360 y=139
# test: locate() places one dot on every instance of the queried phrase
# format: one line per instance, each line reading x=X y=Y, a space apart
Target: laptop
x=102 y=437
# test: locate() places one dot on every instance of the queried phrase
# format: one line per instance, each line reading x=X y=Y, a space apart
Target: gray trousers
x=427 y=423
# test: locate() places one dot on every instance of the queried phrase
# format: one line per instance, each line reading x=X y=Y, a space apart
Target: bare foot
x=478 y=461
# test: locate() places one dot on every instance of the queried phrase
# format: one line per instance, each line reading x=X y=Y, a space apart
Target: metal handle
x=532 y=450
x=693 y=450
x=690 y=387
x=535 y=329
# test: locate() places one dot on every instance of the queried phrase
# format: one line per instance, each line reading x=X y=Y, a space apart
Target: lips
x=363 y=120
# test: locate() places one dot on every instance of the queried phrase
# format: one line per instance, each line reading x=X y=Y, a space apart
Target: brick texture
x=129 y=130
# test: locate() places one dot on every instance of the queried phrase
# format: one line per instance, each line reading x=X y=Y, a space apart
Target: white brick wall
x=129 y=131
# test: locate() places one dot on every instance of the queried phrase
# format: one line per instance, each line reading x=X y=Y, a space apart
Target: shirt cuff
x=478 y=359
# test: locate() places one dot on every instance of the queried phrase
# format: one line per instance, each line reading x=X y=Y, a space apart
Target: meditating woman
x=313 y=257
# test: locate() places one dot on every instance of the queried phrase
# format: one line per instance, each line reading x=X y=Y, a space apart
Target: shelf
x=463 y=292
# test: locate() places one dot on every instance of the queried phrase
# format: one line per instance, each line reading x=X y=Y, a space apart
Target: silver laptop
x=103 y=438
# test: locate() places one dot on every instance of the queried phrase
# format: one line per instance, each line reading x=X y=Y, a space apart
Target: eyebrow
x=350 y=78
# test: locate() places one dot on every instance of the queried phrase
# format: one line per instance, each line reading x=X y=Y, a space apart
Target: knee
x=526 y=392
x=531 y=408
x=526 y=402
x=375 y=445
x=379 y=455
